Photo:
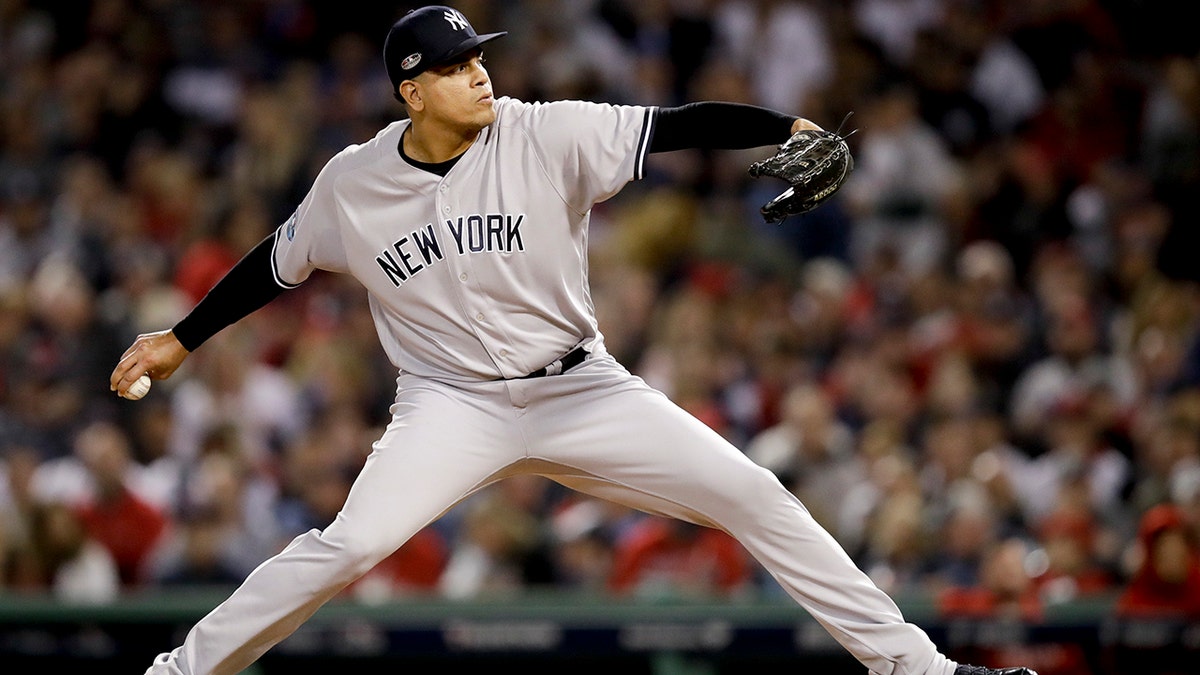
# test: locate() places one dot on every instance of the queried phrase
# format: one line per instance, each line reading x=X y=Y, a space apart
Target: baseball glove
x=814 y=163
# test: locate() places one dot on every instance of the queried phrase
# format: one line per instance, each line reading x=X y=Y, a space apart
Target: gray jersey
x=481 y=274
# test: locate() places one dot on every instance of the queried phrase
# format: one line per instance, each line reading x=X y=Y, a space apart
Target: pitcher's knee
x=355 y=553
x=754 y=490
x=764 y=484
x=342 y=554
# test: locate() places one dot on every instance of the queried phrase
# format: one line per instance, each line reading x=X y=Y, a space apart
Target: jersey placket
x=473 y=298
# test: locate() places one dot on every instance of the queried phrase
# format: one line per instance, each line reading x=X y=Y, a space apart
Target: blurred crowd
x=978 y=366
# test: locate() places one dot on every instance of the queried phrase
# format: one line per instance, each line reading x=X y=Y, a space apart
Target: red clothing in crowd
x=415 y=567
x=1069 y=539
x=674 y=556
x=128 y=527
x=1148 y=594
x=202 y=266
x=978 y=602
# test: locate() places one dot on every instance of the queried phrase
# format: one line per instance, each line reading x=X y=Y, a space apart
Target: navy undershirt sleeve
x=248 y=286
x=717 y=125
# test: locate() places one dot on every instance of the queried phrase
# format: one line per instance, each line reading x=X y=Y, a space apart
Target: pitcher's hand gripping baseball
x=155 y=355
x=814 y=162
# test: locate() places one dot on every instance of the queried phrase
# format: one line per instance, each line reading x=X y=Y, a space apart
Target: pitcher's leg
x=423 y=465
x=641 y=449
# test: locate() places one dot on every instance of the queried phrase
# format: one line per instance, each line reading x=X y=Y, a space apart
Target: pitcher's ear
x=409 y=94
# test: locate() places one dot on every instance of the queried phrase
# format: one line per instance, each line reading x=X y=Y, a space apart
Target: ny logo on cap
x=455 y=18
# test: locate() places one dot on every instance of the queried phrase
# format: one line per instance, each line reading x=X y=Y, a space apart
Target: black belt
x=561 y=365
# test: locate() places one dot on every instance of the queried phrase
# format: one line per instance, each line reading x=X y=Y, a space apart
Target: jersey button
x=462 y=277
x=479 y=317
x=443 y=187
x=503 y=352
x=446 y=209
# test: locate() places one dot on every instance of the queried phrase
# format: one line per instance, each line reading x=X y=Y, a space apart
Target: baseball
x=138 y=389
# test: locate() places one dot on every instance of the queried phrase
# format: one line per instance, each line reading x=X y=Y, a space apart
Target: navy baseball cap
x=428 y=37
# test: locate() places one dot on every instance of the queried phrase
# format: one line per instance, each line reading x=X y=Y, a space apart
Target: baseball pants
x=597 y=429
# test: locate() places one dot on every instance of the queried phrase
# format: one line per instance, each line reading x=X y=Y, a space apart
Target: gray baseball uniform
x=477 y=279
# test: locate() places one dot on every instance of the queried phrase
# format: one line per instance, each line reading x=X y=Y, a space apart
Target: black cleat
x=980 y=670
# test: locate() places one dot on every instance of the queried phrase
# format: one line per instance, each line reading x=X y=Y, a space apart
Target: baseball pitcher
x=467 y=222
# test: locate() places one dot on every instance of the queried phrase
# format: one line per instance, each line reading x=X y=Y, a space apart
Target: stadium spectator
x=112 y=513
x=66 y=560
x=1073 y=570
x=1166 y=579
x=499 y=550
x=811 y=451
x=1004 y=588
x=662 y=557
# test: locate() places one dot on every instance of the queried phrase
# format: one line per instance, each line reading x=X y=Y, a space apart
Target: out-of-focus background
x=978 y=366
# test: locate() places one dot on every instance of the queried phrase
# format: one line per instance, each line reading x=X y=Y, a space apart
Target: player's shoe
x=980 y=670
